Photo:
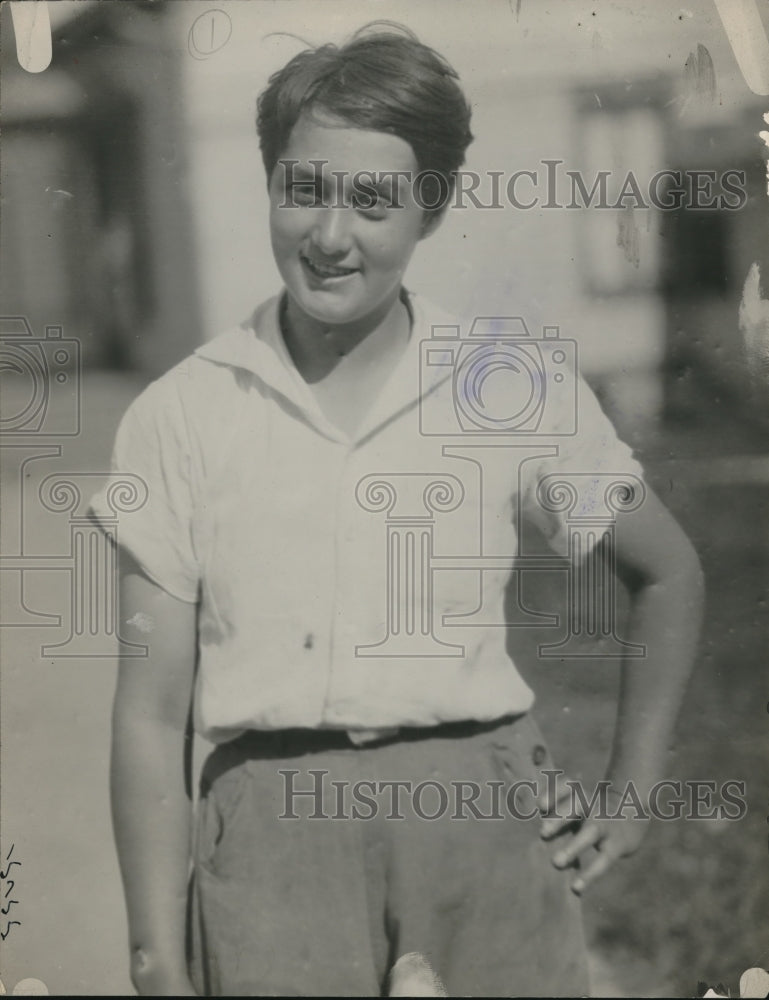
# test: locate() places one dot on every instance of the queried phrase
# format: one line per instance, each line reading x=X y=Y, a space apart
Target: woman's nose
x=332 y=233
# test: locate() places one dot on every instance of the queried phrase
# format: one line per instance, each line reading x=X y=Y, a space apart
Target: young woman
x=270 y=456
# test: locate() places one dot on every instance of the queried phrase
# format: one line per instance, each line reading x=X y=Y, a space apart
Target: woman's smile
x=325 y=271
x=342 y=260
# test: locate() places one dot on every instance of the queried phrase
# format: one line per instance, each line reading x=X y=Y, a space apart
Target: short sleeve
x=592 y=475
x=151 y=475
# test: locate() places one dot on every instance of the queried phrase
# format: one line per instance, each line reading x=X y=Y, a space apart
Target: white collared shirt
x=352 y=583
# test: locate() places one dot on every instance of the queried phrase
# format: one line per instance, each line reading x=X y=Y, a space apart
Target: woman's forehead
x=341 y=146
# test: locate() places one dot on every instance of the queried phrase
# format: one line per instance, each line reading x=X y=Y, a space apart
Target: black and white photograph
x=384 y=485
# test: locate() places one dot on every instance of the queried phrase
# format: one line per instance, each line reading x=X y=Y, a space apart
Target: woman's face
x=343 y=227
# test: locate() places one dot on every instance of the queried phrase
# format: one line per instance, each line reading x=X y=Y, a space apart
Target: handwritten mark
x=6 y=907
x=743 y=27
x=4 y=871
x=209 y=33
x=32 y=28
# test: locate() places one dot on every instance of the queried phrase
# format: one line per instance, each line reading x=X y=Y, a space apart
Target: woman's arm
x=658 y=563
x=151 y=807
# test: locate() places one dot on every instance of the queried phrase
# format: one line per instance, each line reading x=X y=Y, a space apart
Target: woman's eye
x=305 y=195
x=370 y=205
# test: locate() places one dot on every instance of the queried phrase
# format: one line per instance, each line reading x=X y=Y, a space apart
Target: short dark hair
x=383 y=79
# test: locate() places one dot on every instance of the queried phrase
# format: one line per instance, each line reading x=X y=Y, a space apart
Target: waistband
x=290 y=742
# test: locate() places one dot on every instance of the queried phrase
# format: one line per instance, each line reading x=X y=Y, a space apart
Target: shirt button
x=538 y=754
x=309 y=640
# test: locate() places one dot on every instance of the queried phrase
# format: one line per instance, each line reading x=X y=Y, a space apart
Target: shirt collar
x=257 y=345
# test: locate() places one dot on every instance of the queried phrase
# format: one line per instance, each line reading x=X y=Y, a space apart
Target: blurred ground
x=692 y=905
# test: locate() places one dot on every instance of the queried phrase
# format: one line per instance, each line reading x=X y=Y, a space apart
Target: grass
x=693 y=904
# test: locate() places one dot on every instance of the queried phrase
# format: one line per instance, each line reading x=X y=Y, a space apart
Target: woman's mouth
x=326 y=271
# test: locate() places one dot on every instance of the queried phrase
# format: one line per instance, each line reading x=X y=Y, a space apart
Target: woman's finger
x=553 y=825
x=601 y=863
x=590 y=835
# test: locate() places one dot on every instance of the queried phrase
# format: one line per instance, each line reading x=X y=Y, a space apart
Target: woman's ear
x=430 y=222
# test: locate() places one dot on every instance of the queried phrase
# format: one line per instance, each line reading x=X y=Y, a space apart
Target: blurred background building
x=134 y=207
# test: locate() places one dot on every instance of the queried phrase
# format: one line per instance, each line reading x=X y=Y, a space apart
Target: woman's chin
x=327 y=305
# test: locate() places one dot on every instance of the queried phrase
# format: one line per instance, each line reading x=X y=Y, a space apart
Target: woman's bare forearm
x=663 y=572
x=150 y=799
x=151 y=815
x=665 y=620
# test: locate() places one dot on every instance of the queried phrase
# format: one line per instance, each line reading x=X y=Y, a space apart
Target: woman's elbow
x=681 y=575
